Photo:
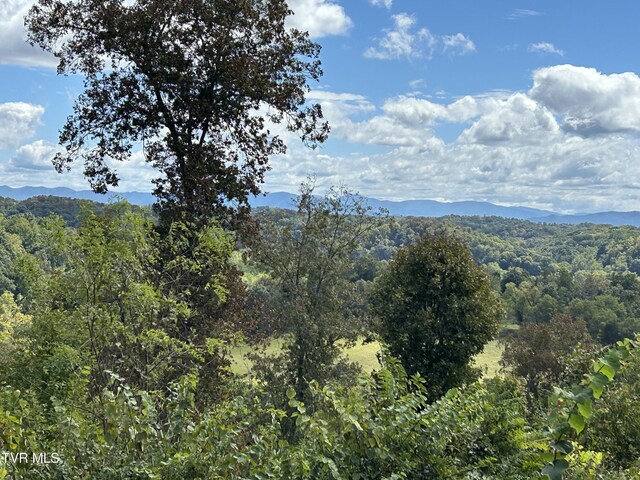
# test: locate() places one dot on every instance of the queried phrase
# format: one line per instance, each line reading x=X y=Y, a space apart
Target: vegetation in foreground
x=120 y=361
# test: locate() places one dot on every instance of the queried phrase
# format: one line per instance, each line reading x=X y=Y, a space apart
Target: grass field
x=365 y=356
x=489 y=359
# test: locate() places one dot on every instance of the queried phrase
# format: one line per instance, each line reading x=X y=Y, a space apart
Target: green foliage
x=314 y=303
x=616 y=420
x=113 y=340
x=42 y=206
x=380 y=428
x=115 y=306
x=436 y=311
x=202 y=129
x=12 y=324
x=536 y=352
x=573 y=408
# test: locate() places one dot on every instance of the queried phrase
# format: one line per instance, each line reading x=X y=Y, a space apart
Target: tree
x=194 y=83
x=308 y=262
x=11 y=320
x=114 y=308
x=537 y=352
x=436 y=310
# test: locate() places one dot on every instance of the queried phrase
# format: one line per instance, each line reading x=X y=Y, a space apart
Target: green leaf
x=291 y=393
x=576 y=421
x=612 y=359
x=352 y=418
x=556 y=469
x=608 y=371
x=563 y=447
x=597 y=383
x=585 y=408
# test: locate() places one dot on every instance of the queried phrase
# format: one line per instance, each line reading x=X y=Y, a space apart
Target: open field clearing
x=366 y=356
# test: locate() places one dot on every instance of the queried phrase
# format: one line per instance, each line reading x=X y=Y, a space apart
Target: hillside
x=416 y=208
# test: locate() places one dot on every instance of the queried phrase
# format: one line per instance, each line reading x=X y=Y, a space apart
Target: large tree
x=193 y=83
x=436 y=310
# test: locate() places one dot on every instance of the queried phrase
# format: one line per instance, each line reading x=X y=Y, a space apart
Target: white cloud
x=523 y=13
x=382 y=3
x=420 y=112
x=323 y=95
x=18 y=121
x=458 y=44
x=402 y=41
x=34 y=156
x=417 y=83
x=545 y=47
x=517 y=119
x=336 y=108
x=319 y=17
x=31 y=165
x=513 y=147
x=588 y=101
x=407 y=41
x=388 y=131
x=14 y=48
x=567 y=173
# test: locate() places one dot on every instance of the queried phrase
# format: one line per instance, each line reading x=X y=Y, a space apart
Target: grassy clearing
x=489 y=359
x=366 y=356
x=362 y=354
x=241 y=365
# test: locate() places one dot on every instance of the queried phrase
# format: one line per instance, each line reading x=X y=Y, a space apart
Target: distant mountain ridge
x=416 y=208
x=22 y=193
x=419 y=208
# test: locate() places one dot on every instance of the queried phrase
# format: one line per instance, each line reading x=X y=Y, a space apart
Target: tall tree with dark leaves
x=436 y=310
x=195 y=84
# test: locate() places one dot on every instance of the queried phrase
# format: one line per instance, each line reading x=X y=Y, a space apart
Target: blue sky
x=519 y=103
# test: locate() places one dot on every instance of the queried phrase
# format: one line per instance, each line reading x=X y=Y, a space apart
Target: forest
x=117 y=346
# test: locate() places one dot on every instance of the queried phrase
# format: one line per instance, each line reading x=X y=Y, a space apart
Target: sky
x=533 y=103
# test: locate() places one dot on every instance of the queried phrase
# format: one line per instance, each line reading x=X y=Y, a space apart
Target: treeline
x=115 y=337
x=585 y=271
x=41 y=206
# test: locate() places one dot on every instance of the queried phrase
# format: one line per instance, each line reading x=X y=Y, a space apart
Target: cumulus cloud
x=545 y=47
x=382 y=3
x=320 y=18
x=566 y=173
x=517 y=119
x=34 y=156
x=407 y=41
x=18 y=121
x=588 y=101
x=517 y=148
x=458 y=44
x=403 y=40
x=14 y=49
x=337 y=109
x=421 y=112
x=31 y=165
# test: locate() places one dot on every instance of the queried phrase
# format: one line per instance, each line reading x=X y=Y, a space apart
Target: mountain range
x=417 y=208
